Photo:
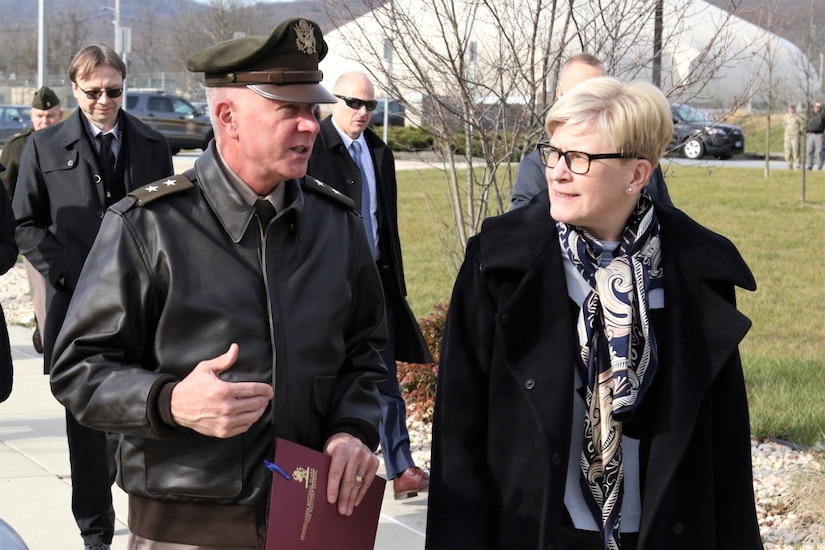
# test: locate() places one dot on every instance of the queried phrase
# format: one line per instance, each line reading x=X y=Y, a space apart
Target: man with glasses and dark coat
x=352 y=158
x=69 y=175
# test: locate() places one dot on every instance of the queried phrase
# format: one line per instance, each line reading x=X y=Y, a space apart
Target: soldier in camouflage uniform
x=793 y=131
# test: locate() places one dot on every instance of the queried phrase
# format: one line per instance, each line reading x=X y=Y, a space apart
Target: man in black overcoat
x=346 y=153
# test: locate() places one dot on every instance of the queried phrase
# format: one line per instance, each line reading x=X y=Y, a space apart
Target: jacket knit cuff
x=159 y=408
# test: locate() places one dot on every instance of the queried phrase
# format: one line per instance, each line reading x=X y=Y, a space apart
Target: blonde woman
x=591 y=394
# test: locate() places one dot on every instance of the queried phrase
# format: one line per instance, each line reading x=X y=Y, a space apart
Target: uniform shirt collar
x=276 y=196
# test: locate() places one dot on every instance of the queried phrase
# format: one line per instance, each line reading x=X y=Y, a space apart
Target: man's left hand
x=351 y=472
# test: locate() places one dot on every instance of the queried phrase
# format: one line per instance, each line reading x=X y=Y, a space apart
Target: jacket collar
x=712 y=256
x=520 y=249
x=230 y=208
x=514 y=240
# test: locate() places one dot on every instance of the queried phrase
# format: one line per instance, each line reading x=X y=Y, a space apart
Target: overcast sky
x=248 y=1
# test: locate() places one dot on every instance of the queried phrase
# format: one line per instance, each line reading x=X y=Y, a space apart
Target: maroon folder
x=300 y=518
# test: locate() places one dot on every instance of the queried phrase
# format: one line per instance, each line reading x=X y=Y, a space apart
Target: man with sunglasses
x=350 y=157
x=69 y=175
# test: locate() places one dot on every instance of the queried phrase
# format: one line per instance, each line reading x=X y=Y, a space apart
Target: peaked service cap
x=282 y=66
x=45 y=98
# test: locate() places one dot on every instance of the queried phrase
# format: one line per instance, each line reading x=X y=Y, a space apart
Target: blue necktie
x=366 y=211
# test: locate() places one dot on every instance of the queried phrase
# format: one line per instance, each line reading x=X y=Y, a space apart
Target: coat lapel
x=336 y=150
x=695 y=351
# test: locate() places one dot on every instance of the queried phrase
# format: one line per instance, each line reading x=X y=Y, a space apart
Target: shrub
x=408 y=138
x=419 y=381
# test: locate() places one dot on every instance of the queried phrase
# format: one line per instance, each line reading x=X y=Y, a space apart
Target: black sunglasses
x=95 y=94
x=354 y=103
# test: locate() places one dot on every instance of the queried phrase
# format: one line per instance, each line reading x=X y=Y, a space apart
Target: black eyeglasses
x=354 y=103
x=577 y=161
x=95 y=94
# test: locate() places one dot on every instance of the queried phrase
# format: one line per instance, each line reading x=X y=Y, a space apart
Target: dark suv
x=183 y=125
x=696 y=135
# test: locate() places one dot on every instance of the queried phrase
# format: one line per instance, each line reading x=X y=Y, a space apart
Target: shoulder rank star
x=325 y=186
x=161 y=188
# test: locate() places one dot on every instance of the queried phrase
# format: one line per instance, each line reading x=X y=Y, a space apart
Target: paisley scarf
x=618 y=351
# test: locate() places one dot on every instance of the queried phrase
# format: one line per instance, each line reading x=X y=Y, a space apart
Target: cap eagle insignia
x=306 y=37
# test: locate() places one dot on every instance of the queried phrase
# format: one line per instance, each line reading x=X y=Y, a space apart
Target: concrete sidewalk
x=35 y=489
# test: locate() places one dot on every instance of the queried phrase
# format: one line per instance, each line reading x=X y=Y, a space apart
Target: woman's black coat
x=503 y=414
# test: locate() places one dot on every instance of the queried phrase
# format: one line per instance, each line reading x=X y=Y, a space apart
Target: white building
x=710 y=58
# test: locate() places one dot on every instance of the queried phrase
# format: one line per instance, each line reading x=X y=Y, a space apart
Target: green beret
x=282 y=66
x=44 y=99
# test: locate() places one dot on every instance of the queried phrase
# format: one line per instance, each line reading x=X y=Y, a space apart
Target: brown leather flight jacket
x=173 y=281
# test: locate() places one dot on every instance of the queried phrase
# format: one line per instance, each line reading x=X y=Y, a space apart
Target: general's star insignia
x=323 y=185
x=167 y=183
x=152 y=188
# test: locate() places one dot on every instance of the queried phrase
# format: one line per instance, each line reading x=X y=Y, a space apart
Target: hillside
x=799 y=21
x=163 y=32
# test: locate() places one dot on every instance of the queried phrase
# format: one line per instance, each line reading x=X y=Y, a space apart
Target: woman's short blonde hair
x=635 y=117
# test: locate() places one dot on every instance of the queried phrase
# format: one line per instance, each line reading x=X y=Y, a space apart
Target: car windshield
x=182 y=107
x=689 y=114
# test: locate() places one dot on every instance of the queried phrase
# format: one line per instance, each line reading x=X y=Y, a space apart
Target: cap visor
x=294 y=93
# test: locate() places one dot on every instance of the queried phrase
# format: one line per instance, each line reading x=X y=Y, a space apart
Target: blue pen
x=275 y=468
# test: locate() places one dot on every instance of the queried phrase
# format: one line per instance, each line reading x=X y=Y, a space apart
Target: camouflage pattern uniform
x=793 y=131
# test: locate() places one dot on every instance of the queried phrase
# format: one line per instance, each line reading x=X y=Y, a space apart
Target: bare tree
x=768 y=52
x=480 y=74
x=68 y=30
x=813 y=88
x=151 y=44
x=226 y=17
x=18 y=56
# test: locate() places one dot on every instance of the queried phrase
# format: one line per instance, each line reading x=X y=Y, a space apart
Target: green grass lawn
x=783 y=355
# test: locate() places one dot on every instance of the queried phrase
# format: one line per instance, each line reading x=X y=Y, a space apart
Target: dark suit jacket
x=59 y=202
x=503 y=417
x=332 y=164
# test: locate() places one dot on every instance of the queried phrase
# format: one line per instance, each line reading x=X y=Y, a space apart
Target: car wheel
x=693 y=148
